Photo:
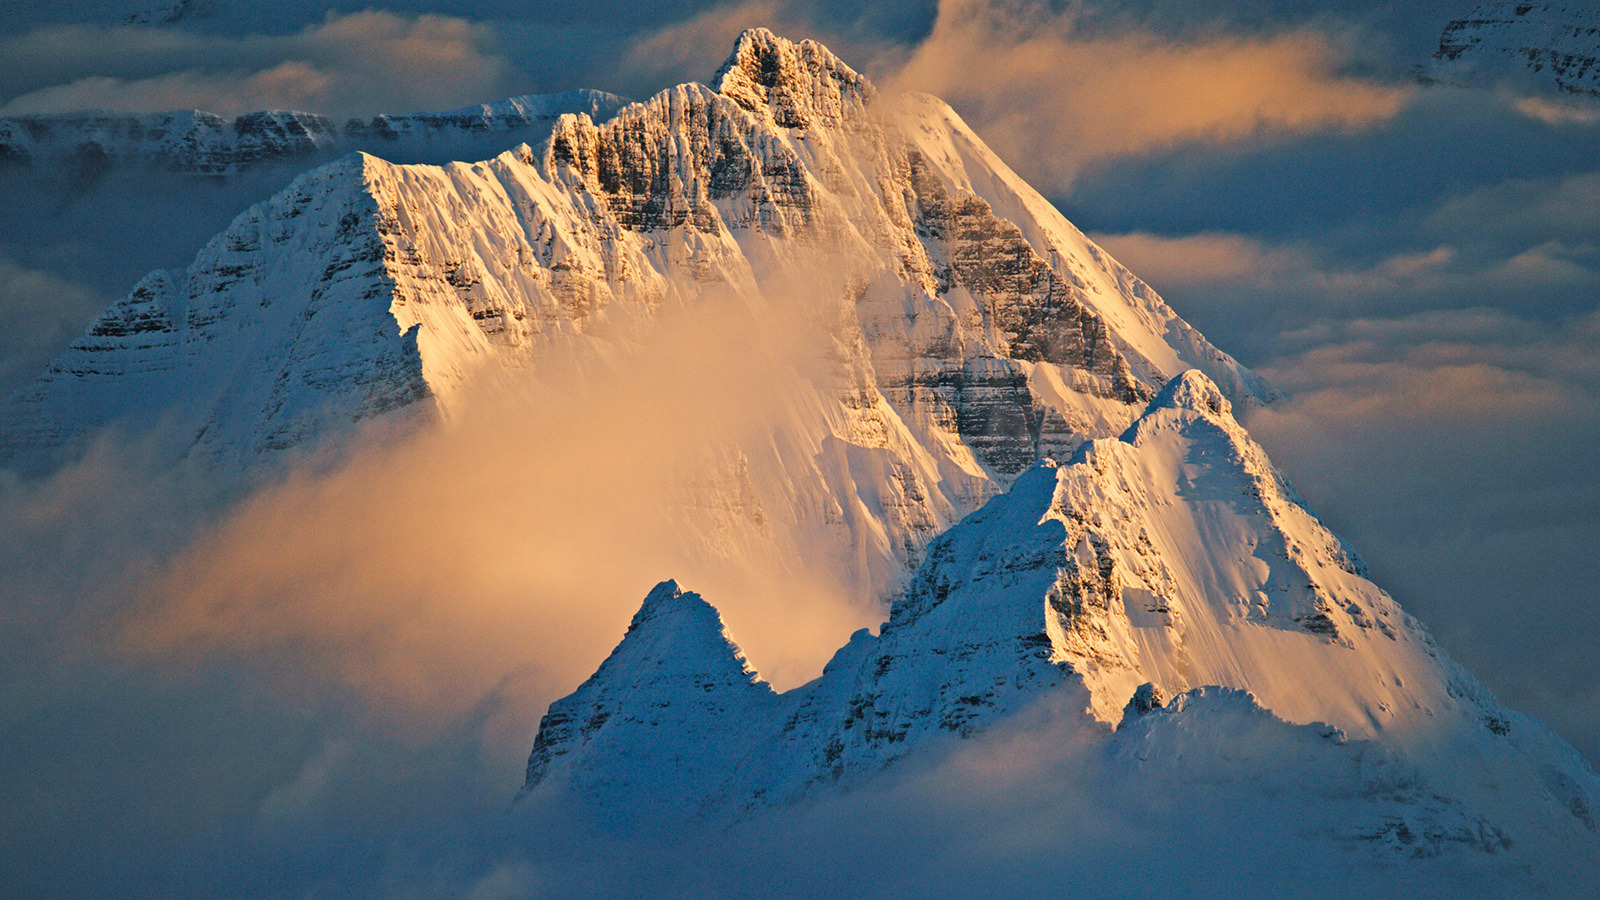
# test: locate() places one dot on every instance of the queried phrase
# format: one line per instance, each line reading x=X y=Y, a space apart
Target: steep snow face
x=1551 y=46
x=675 y=669
x=969 y=330
x=1172 y=562
x=204 y=143
x=280 y=332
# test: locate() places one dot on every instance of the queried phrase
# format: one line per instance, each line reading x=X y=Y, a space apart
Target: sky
x=1416 y=269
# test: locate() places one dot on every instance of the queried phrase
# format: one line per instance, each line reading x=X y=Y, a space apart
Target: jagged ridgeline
x=202 y=143
x=970 y=329
x=1222 y=651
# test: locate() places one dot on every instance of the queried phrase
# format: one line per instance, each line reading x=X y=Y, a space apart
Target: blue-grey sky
x=1418 y=269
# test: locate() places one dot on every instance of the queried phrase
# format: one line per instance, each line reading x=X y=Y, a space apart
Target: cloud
x=1204 y=258
x=1557 y=112
x=1456 y=449
x=525 y=531
x=40 y=312
x=289 y=85
x=693 y=49
x=352 y=64
x=1269 y=297
x=1527 y=209
x=1051 y=99
x=338 y=678
x=1221 y=261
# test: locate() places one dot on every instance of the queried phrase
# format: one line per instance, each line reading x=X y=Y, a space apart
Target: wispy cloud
x=39 y=313
x=691 y=50
x=527 y=529
x=1050 y=98
x=350 y=64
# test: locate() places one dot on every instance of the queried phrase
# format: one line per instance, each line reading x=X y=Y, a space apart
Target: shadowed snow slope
x=1172 y=562
x=1551 y=47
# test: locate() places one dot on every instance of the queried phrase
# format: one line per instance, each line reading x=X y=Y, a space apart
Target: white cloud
x=39 y=314
x=352 y=64
x=1050 y=99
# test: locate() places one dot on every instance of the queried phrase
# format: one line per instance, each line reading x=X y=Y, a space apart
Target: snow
x=194 y=141
x=993 y=422
x=1172 y=562
x=1549 y=48
x=963 y=335
x=676 y=669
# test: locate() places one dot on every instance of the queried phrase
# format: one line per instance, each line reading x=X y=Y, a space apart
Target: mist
x=361 y=647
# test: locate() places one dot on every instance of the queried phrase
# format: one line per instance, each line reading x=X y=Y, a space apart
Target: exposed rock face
x=1166 y=584
x=1551 y=46
x=969 y=329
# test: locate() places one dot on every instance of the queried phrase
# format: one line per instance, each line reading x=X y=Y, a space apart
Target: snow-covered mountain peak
x=679 y=625
x=675 y=675
x=1548 y=48
x=1193 y=391
x=794 y=85
x=965 y=329
x=1160 y=597
x=193 y=141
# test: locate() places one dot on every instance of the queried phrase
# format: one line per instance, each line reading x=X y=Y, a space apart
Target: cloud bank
x=343 y=673
x=355 y=64
x=1050 y=98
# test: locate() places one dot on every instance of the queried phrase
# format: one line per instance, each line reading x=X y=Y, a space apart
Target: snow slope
x=1167 y=585
x=967 y=329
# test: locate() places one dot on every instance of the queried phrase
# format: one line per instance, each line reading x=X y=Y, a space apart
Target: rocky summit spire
x=796 y=85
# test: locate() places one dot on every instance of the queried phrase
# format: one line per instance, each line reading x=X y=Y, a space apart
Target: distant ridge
x=205 y=143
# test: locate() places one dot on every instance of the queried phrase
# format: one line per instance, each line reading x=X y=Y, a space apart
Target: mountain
x=967 y=328
x=1161 y=602
x=1170 y=588
x=1551 y=47
x=140 y=192
x=203 y=143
